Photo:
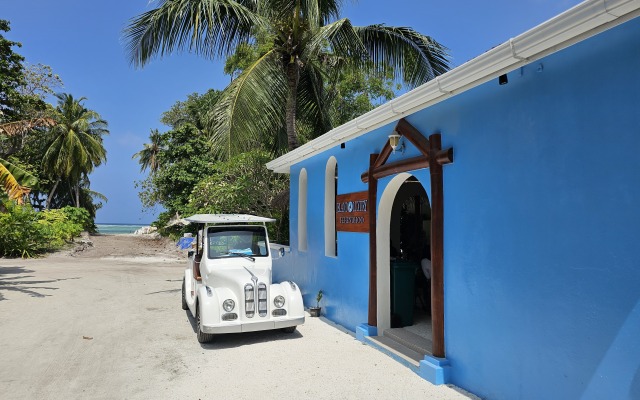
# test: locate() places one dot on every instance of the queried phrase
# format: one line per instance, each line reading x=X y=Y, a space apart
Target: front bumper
x=252 y=326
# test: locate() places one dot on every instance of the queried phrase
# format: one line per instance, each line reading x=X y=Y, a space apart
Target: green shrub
x=80 y=216
x=26 y=233
x=58 y=228
x=21 y=235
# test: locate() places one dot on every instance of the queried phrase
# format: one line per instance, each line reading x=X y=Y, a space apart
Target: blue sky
x=81 y=41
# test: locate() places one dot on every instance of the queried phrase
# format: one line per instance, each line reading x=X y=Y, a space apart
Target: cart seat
x=196 y=267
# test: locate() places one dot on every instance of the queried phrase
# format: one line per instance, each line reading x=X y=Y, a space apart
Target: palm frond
x=417 y=57
x=24 y=126
x=209 y=28
x=340 y=37
x=76 y=139
x=15 y=181
x=250 y=107
x=95 y=194
x=313 y=99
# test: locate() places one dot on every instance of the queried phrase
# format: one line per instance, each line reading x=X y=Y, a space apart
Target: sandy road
x=107 y=324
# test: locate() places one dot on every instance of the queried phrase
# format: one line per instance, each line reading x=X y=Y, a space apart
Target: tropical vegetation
x=25 y=232
x=297 y=69
x=74 y=146
x=46 y=155
x=302 y=48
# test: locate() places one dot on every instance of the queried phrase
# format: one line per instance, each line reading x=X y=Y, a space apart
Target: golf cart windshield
x=237 y=241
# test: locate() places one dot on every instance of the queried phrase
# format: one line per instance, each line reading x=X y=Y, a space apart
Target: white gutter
x=572 y=26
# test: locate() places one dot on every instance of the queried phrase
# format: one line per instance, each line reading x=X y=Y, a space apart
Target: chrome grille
x=262 y=300
x=249 y=301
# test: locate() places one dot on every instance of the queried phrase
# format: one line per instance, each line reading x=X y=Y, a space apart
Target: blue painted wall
x=542 y=227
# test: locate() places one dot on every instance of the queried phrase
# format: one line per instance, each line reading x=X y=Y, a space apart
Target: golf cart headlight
x=278 y=301
x=228 y=305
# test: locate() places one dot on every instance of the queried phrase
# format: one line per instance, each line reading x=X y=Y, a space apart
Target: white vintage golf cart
x=227 y=285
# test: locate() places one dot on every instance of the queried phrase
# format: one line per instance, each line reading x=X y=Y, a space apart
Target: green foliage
x=192 y=111
x=243 y=185
x=148 y=156
x=57 y=227
x=80 y=217
x=26 y=233
x=357 y=92
x=185 y=159
x=20 y=233
x=307 y=45
x=43 y=149
x=11 y=75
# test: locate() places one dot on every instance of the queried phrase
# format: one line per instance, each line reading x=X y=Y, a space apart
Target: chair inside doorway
x=410 y=268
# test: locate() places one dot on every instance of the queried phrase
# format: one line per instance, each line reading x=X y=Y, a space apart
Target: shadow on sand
x=14 y=279
x=234 y=340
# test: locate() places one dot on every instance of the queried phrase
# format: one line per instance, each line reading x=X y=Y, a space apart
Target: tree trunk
x=293 y=77
x=78 y=196
x=50 y=196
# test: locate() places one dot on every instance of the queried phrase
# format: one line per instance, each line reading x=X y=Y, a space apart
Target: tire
x=202 y=337
x=184 y=293
x=289 y=329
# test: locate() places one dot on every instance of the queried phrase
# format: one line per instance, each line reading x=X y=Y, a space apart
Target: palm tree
x=148 y=157
x=75 y=147
x=305 y=46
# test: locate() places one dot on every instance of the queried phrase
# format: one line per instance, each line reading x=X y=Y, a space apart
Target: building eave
x=572 y=26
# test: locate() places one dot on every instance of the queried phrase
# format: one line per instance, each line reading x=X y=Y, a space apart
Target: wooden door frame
x=432 y=156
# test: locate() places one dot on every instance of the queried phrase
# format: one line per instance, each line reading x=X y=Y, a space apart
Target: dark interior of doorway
x=410 y=251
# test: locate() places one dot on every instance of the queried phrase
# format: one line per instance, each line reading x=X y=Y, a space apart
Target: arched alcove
x=302 y=210
x=330 y=188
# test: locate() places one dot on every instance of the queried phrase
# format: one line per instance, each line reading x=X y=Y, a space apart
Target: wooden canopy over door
x=433 y=157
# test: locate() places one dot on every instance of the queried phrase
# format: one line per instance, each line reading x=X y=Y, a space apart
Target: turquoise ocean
x=117 y=229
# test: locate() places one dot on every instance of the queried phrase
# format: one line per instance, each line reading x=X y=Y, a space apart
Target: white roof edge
x=572 y=26
x=227 y=218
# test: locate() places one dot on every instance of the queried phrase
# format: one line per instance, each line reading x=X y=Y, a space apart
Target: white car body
x=235 y=264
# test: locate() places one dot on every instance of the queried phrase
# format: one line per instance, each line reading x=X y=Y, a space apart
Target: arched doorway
x=403 y=241
x=432 y=157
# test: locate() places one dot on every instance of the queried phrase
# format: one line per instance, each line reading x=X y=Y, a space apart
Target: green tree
x=21 y=106
x=11 y=75
x=184 y=160
x=192 y=111
x=243 y=184
x=75 y=147
x=307 y=44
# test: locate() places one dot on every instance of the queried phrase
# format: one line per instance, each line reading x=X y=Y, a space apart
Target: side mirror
x=281 y=251
x=190 y=254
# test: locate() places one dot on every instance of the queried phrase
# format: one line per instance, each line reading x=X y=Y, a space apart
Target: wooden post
x=437 y=248
x=372 y=319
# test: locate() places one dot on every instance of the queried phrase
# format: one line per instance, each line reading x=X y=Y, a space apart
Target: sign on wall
x=351 y=212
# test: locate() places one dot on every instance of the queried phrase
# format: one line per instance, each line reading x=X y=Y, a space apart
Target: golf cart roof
x=227 y=219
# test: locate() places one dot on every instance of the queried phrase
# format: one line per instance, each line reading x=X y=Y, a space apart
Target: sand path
x=107 y=324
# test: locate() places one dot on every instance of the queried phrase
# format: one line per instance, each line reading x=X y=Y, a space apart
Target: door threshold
x=410 y=340
x=397 y=351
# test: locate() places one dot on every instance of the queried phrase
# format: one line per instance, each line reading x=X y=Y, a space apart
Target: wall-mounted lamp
x=503 y=80
x=394 y=142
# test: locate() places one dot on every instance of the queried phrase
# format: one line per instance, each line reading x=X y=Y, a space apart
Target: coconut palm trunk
x=51 y=193
x=293 y=77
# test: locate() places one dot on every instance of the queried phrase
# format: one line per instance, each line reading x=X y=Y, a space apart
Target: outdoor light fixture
x=503 y=80
x=394 y=141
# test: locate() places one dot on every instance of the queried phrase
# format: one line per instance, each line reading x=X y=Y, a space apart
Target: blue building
x=517 y=175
